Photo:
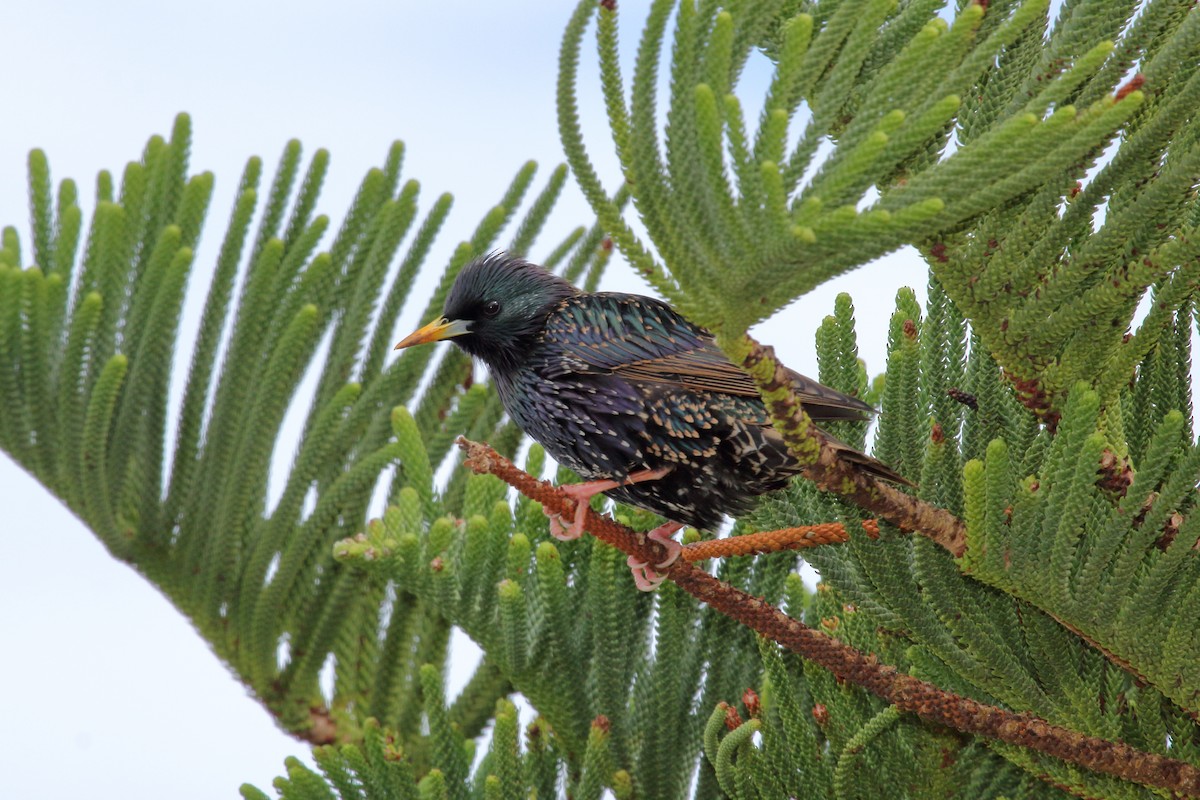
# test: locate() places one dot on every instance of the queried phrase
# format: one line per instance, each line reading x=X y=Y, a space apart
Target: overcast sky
x=110 y=692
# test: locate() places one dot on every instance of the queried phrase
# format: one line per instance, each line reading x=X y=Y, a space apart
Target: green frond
x=93 y=454
x=1052 y=195
x=845 y=763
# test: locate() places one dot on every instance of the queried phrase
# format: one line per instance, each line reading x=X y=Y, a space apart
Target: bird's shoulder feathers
x=640 y=339
x=646 y=342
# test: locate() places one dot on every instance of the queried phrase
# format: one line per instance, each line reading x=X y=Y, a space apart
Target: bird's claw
x=644 y=576
x=648 y=578
x=581 y=493
x=563 y=534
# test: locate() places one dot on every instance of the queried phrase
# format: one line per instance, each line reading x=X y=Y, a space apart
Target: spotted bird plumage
x=621 y=387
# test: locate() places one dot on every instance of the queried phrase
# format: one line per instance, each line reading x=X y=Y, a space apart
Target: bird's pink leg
x=582 y=494
x=646 y=578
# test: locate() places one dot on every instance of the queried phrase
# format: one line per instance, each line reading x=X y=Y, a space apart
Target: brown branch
x=848 y=664
x=825 y=466
x=754 y=544
x=321 y=728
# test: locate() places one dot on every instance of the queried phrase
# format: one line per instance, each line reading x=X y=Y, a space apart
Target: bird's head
x=498 y=304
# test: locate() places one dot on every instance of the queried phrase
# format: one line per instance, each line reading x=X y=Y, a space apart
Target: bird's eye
x=491 y=308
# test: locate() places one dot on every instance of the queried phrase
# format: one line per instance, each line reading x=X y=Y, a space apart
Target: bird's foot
x=582 y=494
x=647 y=578
x=574 y=530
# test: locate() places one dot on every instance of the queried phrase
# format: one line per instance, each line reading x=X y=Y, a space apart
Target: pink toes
x=567 y=534
x=644 y=577
x=647 y=578
x=662 y=534
x=582 y=494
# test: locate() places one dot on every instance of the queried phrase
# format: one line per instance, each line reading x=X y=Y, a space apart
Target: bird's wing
x=645 y=341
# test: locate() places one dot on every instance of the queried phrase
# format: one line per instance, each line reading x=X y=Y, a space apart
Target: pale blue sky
x=110 y=691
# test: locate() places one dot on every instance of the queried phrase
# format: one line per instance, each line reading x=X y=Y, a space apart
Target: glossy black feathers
x=507 y=301
x=611 y=384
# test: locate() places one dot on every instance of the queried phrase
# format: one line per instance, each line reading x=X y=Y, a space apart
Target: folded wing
x=645 y=341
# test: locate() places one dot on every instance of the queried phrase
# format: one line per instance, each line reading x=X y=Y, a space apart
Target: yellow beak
x=435 y=331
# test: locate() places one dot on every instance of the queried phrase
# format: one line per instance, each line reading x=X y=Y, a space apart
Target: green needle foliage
x=1046 y=168
x=89 y=342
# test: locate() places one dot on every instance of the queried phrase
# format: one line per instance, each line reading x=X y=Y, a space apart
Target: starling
x=626 y=392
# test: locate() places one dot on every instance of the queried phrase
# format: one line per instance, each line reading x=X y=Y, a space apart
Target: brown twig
x=321 y=729
x=826 y=468
x=754 y=544
x=848 y=664
x=824 y=465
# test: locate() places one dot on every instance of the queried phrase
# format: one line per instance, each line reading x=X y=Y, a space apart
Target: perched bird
x=626 y=392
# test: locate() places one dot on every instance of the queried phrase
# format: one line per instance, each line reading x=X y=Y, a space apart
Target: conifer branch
x=850 y=664
x=830 y=472
x=753 y=544
x=824 y=465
